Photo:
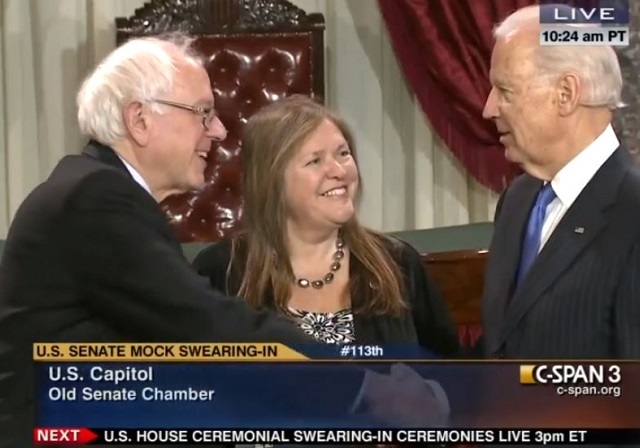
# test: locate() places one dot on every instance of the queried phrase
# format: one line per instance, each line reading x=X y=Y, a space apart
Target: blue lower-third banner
x=252 y=387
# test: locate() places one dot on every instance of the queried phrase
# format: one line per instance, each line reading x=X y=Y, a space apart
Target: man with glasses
x=90 y=257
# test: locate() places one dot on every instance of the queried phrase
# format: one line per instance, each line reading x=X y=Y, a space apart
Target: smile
x=338 y=191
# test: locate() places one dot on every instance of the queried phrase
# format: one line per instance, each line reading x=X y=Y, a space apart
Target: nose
x=335 y=170
x=490 y=110
x=216 y=130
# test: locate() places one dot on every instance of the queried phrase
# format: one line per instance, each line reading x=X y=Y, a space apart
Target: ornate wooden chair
x=257 y=51
x=460 y=278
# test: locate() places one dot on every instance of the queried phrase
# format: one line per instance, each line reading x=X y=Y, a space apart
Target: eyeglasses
x=207 y=113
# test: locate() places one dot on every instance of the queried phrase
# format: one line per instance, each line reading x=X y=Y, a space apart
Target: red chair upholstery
x=257 y=51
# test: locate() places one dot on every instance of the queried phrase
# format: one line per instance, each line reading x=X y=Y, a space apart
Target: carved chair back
x=257 y=52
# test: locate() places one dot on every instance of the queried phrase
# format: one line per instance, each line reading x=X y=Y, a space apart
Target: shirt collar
x=136 y=175
x=569 y=182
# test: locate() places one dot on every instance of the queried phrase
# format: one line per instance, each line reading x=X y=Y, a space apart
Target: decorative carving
x=269 y=13
x=217 y=16
x=162 y=16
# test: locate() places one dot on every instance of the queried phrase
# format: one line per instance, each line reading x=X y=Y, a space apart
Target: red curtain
x=444 y=49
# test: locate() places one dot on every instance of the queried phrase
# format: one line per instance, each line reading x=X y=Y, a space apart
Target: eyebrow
x=501 y=83
x=318 y=152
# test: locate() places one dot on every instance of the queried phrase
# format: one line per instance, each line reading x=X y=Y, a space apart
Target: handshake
x=402 y=399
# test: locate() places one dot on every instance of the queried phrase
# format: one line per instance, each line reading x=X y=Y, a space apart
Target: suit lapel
x=583 y=221
x=519 y=218
x=557 y=255
x=108 y=156
x=507 y=242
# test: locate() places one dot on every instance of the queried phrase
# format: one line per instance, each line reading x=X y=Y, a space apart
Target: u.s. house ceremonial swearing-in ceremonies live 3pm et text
x=84 y=436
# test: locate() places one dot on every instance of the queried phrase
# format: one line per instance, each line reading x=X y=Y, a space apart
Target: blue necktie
x=531 y=244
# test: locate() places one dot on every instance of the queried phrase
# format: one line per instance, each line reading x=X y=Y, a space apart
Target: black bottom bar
x=84 y=436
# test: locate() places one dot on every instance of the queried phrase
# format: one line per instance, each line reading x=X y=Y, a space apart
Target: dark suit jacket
x=581 y=298
x=90 y=257
x=427 y=322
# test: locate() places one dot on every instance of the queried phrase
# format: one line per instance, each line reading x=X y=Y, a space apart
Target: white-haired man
x=563 y=277
x=90 y=257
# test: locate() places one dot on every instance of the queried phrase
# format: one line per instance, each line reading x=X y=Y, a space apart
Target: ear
x=136 y=120
x=569 y=93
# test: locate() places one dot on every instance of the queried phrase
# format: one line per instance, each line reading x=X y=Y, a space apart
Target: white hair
x=597 y=66
x=141 y=70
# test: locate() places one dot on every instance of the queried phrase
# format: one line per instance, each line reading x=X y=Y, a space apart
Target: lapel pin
x=579 y=230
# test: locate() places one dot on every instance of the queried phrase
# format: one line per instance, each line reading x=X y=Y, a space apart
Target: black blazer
x=581 y=298
x=90 y=257
x=427 y=322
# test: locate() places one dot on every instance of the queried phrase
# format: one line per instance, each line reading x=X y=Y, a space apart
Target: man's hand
x=403 y=399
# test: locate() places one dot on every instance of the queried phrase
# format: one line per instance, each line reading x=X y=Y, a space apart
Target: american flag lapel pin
x=579 y=230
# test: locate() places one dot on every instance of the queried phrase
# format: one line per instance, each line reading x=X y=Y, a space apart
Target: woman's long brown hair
x=271 y=138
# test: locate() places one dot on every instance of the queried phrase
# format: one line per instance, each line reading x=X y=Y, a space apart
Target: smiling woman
x=303 y=251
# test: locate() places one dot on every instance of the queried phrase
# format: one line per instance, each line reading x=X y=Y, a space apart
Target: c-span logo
x=569 y=374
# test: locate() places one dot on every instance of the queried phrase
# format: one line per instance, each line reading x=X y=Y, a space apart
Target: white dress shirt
x=136 y=176
x=569 y=182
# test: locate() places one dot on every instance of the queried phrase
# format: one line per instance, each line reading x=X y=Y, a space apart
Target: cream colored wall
x=411 y=180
